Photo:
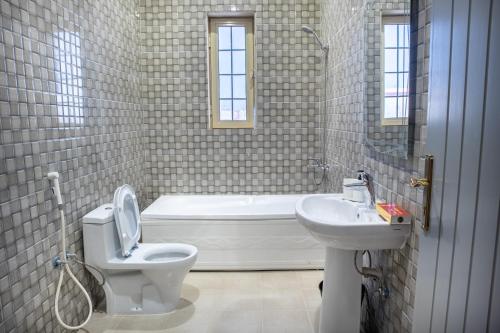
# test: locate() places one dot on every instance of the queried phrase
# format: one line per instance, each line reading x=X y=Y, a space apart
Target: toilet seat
x=127 y=218
x=145 y=255
x=155 y=256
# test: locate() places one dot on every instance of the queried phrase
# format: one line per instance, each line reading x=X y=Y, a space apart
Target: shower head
x=309 y=30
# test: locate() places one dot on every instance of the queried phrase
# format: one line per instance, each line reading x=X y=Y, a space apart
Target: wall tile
x=69 y=101
x=187 y=157
x=342 y=23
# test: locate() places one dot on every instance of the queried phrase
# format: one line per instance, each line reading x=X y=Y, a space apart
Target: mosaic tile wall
x=78 y=95
x=69 y=101
x=184 y=156
x=342 y=23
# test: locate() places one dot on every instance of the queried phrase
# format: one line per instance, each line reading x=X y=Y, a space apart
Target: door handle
x=426 y=184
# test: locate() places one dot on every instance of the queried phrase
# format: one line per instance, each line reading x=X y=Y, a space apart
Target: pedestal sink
x=343 y=227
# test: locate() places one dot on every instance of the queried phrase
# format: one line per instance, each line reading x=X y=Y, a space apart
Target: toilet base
x=133 y=293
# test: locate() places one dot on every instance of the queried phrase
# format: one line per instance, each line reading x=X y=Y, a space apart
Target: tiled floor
x=235 y=302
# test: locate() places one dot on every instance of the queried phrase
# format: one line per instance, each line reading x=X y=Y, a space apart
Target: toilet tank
x=100 y=238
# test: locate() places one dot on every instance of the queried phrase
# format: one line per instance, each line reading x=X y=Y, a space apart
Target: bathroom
x=115 y=92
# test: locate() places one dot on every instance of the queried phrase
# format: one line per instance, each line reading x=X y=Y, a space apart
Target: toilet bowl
x=141 y=278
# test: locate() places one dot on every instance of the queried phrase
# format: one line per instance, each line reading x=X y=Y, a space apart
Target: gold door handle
x=419 y=182
x=425 y=183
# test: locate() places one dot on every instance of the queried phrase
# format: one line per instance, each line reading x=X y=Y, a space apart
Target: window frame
x=214 y=24
x=394 y=19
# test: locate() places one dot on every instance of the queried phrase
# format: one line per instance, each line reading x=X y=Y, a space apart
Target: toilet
x=141 y=278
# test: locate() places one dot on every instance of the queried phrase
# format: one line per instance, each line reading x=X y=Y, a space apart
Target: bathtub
x=234 y=232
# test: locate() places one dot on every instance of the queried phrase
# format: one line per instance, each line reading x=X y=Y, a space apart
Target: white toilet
x=141 y=278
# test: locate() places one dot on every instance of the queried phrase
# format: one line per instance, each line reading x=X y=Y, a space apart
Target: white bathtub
x=234 y=232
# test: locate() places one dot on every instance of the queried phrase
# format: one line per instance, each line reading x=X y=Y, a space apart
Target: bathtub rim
x=151 y=212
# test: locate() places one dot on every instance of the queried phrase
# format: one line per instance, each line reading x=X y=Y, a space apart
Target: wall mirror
x=388 y=70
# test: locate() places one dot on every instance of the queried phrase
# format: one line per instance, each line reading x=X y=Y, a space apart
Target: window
x=395 y=69
x=69 y=78
x=231 y=72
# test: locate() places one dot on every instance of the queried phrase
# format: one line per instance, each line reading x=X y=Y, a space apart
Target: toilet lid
x=127 y=219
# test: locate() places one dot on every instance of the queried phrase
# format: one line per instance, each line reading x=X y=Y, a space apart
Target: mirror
x=387 y=77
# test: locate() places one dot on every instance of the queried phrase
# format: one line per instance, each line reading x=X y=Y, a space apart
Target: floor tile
x=280 y=280
x=242 y=302
x=283 y=299
x=314 y=318
x=286 y=321
x=237 y=321
x=311 y=297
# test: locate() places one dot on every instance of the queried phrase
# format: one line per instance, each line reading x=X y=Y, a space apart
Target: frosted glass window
x=231 y=72
x=402 y=84
x=225 y=86
x=239 y=64
x=238 y=38
x=403 y=35
x=224 y=38
x=239 y=109
x=404 y=60
x=391 y=85
x=225 y=109
x=390 y=107
x=402 y=107
x=69 y=80
x=239 y=88
x=391 y=60
x=396 y=55
x=224 y=62
x=390 y=35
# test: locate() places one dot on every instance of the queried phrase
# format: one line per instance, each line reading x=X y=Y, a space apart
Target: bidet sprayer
x=58 y=261
x=54 y=178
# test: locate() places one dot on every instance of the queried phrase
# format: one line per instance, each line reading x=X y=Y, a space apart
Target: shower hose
x=64 y=266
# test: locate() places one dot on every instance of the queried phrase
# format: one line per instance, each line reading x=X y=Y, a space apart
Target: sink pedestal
x=343 y=227
x=341 y=303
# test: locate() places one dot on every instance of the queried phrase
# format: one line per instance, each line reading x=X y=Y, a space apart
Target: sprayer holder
x=57 y=262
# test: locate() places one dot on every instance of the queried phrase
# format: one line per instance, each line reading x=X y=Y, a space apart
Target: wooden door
x=458 y=288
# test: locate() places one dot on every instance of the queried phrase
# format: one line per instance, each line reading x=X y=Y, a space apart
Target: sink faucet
x=366 y=180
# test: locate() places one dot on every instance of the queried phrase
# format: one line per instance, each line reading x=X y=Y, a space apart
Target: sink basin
x=348 y=225
x=344 y=227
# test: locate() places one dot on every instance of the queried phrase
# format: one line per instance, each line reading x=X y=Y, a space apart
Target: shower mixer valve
x=318 y=163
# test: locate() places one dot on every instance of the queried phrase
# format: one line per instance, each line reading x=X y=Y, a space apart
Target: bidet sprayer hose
x=65 y=268
x=54 y=177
